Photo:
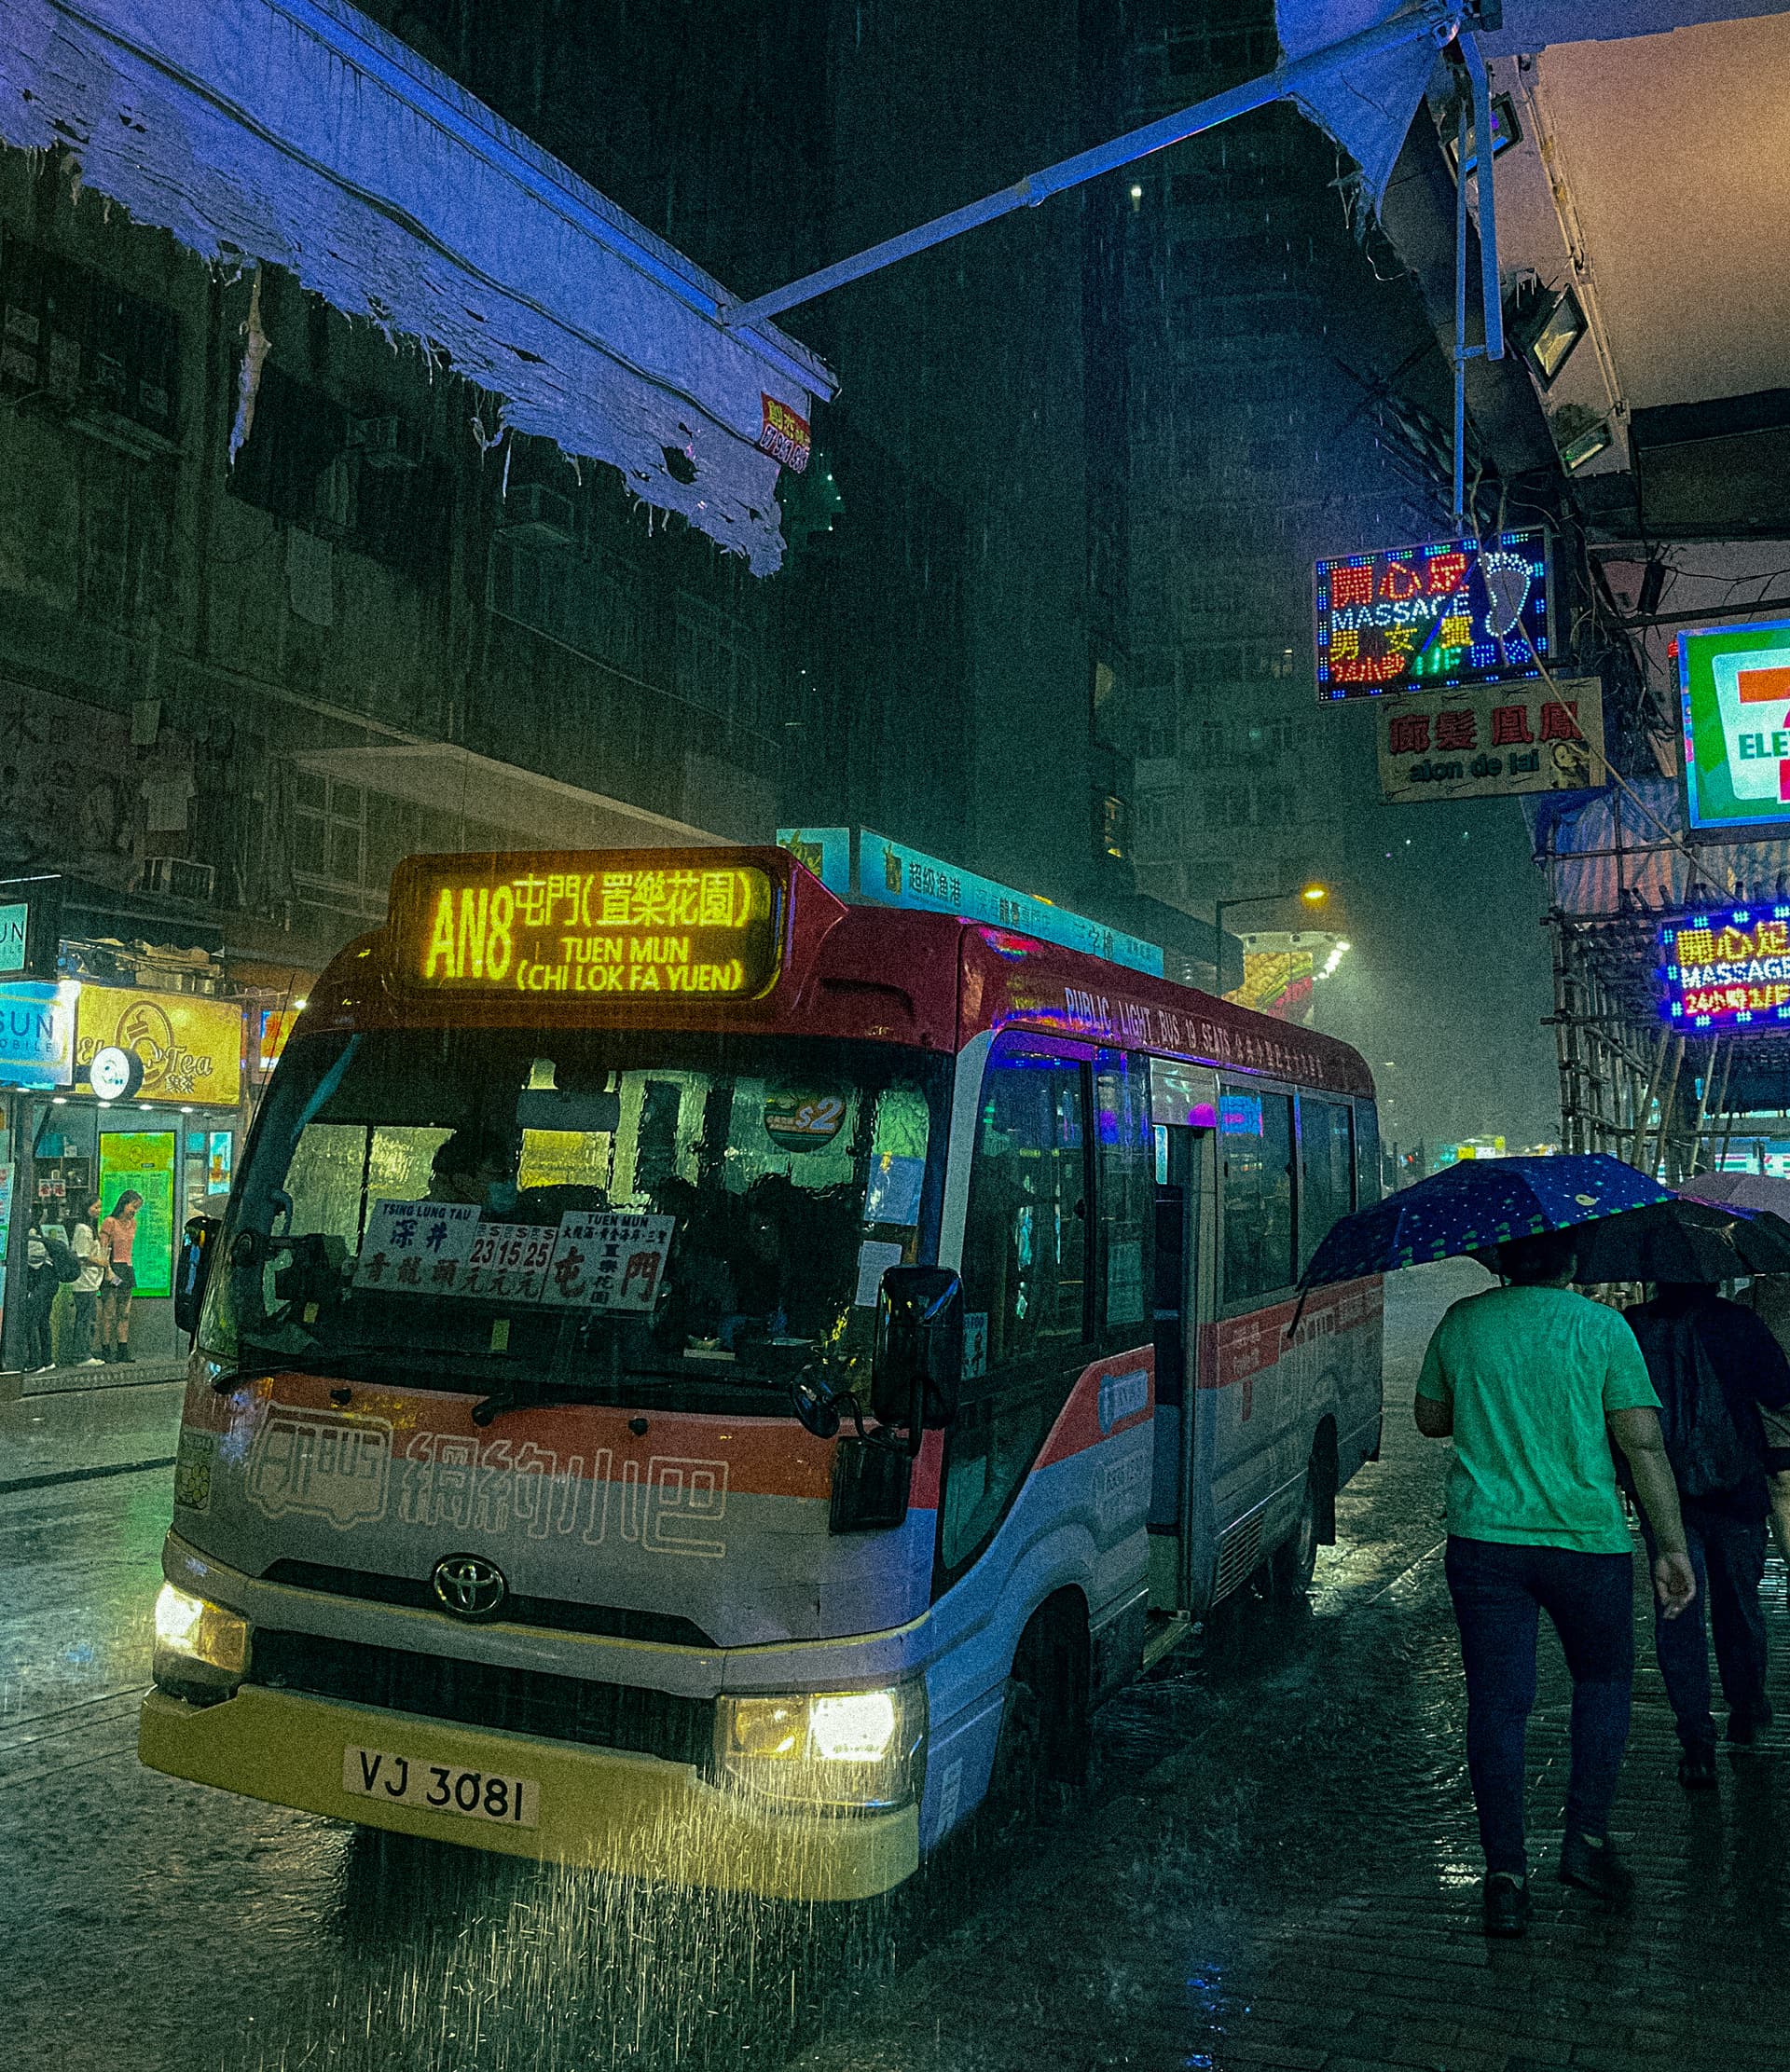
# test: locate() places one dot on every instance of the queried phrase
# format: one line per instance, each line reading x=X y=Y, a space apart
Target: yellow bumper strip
x=600 y=1809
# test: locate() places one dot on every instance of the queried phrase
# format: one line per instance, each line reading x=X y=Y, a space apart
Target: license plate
x=441 y=1786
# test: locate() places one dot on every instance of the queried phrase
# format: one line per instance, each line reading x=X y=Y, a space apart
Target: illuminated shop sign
x=1492 y=742
x=1728 y=970
x=37 y=1033
x=1734 y=689
x=190 y=1048
x=892 y=873
x=1430 y=618
x=662 y=922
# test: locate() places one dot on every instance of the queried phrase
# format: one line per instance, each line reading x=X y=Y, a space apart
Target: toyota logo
x=470 y=1587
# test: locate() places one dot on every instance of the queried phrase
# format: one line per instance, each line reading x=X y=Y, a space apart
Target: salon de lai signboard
x=1495 y=742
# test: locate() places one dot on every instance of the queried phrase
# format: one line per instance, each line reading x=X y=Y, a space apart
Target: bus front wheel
x=1043 y=1754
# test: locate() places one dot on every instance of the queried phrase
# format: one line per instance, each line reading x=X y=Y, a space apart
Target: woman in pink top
x=117 y=1235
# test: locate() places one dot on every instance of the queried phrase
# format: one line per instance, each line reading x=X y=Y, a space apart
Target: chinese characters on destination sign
x=1427 y=618
x=1728 y=970
x=686 y=931
x=610 y=1261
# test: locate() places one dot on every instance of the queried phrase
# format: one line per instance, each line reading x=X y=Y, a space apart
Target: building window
x=585 y=603
x=716 y=668
x=328 y=832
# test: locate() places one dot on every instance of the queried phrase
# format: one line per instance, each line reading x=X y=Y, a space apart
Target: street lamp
x=1313 y=896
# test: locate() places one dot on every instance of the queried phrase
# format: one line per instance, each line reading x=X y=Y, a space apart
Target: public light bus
x=699 y=1378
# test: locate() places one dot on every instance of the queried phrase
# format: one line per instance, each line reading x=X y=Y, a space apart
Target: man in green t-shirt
x=1534 y=1383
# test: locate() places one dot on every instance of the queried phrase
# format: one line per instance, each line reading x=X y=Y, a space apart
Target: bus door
x=1182 y=1111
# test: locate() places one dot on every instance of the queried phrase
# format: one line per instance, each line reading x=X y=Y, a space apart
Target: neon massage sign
x=1728 y=970
x=1428 y=618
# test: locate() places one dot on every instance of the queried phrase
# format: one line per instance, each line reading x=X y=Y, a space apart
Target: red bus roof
x=927 y=980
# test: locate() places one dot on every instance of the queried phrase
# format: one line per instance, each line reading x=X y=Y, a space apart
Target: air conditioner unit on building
x=386 y=442
x=178 y=878
x=538 y=512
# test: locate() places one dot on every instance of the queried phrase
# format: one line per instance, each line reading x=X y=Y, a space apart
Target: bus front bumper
x=599 y=1809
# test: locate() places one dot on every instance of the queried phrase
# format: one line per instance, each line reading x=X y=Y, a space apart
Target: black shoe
x=1745 y=1722
x=1594 y=1867
x=1507 y=1904
x=124 y=1356
x=1697 y=1769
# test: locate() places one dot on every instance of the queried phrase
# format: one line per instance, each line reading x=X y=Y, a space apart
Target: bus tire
x=1295 y=1561
x=1042 y=1755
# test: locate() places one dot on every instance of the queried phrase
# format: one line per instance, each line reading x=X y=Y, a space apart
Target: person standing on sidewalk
x=84 y=1243
x=1532 y=1382
x=1769 y=1298
x=1714 y=1366
x=40 y=1294
x=117 y=1236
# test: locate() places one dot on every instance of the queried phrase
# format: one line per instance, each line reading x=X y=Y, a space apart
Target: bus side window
x=1024 y=1241
x=1126 y=1192
x=1256 y=1146
x=1367 y=1155
x=1024 y=1280
x=1326 y=1154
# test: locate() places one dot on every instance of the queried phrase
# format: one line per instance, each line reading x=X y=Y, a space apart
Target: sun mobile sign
x=1728 y=971
x=1428 y=618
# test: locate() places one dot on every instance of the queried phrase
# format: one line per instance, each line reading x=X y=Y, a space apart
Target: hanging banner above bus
x=1734 y=688
x=684 y=924
x=1727 y=972
x=864 y=866
x=1435 y=617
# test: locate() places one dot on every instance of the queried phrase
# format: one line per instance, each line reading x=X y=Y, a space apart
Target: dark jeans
x=81 y=1343
x=40 y=1294
x=1729 y=1556
x=1499 y=1594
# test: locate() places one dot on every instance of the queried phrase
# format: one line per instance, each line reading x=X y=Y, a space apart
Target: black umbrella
x=1682 y=1241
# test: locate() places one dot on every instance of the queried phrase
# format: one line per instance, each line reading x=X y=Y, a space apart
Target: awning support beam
x=1437 y=20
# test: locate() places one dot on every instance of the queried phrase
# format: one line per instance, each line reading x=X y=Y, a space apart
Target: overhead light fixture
x=1587 y=446
x=1546 y=324
x=1506 y=131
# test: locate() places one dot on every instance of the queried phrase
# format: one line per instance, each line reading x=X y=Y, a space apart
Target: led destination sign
x=1430 y=618
x=656 y=921
x=1728 y=970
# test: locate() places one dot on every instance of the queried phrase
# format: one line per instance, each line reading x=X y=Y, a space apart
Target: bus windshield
x=661 y=1217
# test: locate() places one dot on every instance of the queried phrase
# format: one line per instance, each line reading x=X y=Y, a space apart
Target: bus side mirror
x=918 y=1365
x=194 y=1270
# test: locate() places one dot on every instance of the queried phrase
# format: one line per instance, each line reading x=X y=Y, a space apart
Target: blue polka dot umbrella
x=1475 y=1205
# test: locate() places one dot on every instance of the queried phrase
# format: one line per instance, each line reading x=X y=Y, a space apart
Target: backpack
x=1704 y=1441
x=64 y=1263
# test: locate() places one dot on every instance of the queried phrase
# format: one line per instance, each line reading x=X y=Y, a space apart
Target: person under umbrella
x=1716 y=1366
x=1534 y=1384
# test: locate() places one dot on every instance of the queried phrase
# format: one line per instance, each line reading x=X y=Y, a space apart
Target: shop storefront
x=113 y=1088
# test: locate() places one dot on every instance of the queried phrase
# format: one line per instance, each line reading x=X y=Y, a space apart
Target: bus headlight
x=201 y=1650
x=838 y=1750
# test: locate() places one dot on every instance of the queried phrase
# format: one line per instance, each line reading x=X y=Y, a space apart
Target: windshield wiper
x=356 y=1360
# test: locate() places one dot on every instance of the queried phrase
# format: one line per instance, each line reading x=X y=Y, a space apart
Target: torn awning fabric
x=296 y=132
x=1365 y=102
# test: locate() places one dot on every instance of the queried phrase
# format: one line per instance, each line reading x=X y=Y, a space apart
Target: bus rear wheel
x=1295 y=1562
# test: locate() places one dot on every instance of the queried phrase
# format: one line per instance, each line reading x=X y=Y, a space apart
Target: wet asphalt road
x=1274 y=1865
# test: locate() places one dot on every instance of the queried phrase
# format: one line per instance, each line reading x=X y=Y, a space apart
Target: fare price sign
x=681 y=926
x=1727 y=972
x=1434 y=617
